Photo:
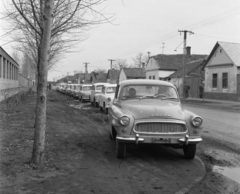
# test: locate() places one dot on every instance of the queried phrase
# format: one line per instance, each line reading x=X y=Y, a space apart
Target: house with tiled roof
x=112 y=76
x=222 y=72
x=193 y=75
x=97 y=77
x=161 y=66
x=79 y=77
x=132 y=73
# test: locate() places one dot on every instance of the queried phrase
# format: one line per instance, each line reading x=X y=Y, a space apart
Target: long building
x=9 y=70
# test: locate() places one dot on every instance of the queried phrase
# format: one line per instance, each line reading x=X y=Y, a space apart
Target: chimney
x=188 y=48
x=143 y=66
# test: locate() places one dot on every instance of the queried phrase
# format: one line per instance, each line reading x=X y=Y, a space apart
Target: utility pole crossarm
x=185 y=39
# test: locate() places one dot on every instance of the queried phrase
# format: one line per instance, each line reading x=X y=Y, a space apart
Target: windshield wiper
x=147 y=96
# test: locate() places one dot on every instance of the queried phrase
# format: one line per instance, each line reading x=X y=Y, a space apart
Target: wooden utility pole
x=184 y=54
x=86 y=67
x=111 y=62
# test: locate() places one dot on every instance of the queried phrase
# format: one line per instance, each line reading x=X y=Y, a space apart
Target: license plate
x=161 y=140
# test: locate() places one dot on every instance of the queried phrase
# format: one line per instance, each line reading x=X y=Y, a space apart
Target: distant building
x=222 y=72
x=132 y=73
x=161 y=66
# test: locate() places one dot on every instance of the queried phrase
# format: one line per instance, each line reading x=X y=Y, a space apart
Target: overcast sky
x=143 y=26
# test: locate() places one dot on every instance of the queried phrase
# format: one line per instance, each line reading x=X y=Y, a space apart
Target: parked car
x=68 y=89
x=72 y=90
x=64 y=89
x=106 y=96
x=84 y=92
x=75 y=91
x=96 y=88
x=150 y=112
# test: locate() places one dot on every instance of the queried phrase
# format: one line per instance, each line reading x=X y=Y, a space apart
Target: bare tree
x=120 y=63
x=46 y=30
x=140 y=59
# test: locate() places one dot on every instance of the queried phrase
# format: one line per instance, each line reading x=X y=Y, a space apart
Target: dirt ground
x=80 y=158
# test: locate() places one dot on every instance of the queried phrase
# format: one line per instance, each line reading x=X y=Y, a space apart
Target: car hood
x=158 y=109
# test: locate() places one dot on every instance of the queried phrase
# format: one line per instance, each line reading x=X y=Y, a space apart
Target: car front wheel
x=121 y=149
x=189 y=151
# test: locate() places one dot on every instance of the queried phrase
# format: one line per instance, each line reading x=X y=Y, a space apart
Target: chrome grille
x=160 y=128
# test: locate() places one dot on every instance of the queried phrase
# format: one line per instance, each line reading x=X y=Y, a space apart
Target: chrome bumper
x=135 y=139
x=187 y=140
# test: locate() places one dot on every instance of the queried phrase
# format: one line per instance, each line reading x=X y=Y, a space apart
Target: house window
x=220 y=50
x=150 y=77
x=225 y=80
x=154 y=77
x=214 y=80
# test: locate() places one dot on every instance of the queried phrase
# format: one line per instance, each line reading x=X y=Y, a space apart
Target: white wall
x=220 y=63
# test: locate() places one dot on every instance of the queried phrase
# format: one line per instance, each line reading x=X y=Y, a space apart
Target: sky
x=149 y=26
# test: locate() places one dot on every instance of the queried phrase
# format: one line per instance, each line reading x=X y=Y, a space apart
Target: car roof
x=145 y=82
x=99 y=84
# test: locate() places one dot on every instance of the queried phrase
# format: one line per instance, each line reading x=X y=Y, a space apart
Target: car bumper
x=159 y=140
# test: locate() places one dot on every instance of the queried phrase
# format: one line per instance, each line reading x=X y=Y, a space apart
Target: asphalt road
x=220 y=124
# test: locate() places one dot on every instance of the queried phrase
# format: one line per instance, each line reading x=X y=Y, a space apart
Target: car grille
x=160 y=128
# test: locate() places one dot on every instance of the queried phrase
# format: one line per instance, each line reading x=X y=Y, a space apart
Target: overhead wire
x=208 y=21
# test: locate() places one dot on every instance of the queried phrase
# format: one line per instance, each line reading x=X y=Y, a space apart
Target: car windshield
x=86 y=88
x=110 y=90
x=149 y=91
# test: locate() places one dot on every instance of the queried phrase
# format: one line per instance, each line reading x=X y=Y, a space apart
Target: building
x=161 y=66
x=9 y=70
x=222 y=72
x=193 y=76
x=112 y=76
x=132 y=73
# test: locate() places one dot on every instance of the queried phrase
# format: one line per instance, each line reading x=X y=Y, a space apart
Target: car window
x=148 y=91
x=86 y=88
x=111 y=90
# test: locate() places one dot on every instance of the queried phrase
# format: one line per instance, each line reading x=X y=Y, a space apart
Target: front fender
x=115 y=113
x=193 y=131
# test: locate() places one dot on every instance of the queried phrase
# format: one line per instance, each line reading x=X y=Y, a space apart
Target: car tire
x=105 y=109
x=121 y=149
x=189 y=151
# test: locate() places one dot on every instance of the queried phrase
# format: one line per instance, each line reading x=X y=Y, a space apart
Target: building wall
x=232 y=79
x=9 y=70
x=122 y=76
x=220 y=63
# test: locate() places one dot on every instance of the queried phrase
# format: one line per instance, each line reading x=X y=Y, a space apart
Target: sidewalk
x=225 y=104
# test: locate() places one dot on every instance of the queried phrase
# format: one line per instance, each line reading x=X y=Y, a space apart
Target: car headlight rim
x=124 y=120
x=197 y=121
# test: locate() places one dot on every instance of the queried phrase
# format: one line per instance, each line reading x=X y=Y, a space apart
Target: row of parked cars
x=99 y=94
x=143 y=112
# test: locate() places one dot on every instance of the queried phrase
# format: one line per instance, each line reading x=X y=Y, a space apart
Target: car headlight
x=124 y=120
x=197 y=121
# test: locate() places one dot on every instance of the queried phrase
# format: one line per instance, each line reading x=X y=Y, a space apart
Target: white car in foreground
x=106 y=97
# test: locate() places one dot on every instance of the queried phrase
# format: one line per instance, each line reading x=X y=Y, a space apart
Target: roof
x=113 y=74
x=144 y=82
x=174 y=62
x=231 y=49
x=134 y=72
x=189 y=68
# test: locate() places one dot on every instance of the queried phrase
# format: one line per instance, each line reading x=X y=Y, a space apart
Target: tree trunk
x=40 y=121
